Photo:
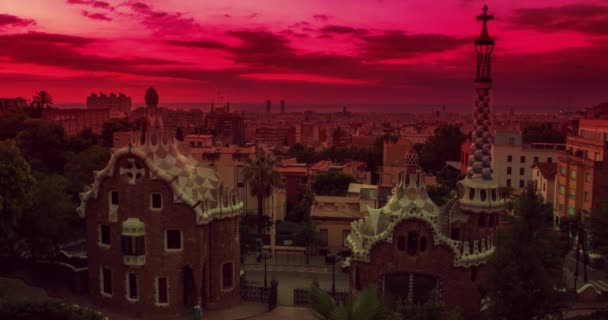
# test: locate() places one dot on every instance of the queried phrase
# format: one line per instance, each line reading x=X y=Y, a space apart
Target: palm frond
x=321 y=303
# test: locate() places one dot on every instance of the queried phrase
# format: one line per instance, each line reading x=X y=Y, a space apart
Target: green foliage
x=332 y=184
x=79 y=170
x=599 y=229
x=443 y=145
x=47 y=310
x=11 y=124
x=302 y=209
x=448 y=177
x=17 y=190
x=83 y=140
x=430 y=310
x=440 y=194
x=542 y=133
x=525 y=274
x=262 y=176
x=44 y=145
x=368 y=305
x=111 y=126
x=48 y=223
x=308 y=235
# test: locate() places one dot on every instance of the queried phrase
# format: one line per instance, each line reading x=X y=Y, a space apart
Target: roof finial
x=485 y=17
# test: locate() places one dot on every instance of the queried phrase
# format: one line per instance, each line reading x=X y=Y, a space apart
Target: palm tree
x=309 y=235
x=367 y=305
x=261 y=175
x=44 y=99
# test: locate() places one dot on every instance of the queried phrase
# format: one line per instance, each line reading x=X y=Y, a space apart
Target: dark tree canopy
x=44 y=145
x=525 y=274
x=111 y=126
x=443 y=145
x=599 y=229
x=332 y=184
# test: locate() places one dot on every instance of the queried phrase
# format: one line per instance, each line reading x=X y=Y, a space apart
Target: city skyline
x=549 y=54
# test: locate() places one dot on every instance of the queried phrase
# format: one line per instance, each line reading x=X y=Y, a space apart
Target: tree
x=332 y=184
x=308 y=235
x=367 y=305
x=440 y=194
x=109 y=127
x=599 y=229
x=17 y=188
x=302 y=209
x=11 y=124
x=44 y=145
x=83 y=140
x=443 y=145
x=525 y=274
x=47 y=224
x=262 y=177
x=79 y=170
x=43 y=98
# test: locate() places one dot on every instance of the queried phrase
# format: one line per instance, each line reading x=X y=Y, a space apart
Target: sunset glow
x=373 y=51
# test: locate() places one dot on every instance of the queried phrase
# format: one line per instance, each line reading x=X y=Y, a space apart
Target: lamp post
x=332 y=258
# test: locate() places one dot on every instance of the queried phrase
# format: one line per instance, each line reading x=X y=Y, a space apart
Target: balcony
x=134 y=261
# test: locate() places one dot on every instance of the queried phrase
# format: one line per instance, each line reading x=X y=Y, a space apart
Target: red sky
x=548 y=52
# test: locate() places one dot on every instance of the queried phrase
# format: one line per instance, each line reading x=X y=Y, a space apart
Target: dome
x=151 y=97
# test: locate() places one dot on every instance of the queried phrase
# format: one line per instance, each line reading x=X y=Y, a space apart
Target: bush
x=48 y=310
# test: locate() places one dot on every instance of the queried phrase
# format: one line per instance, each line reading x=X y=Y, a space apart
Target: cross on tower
x=485 y=17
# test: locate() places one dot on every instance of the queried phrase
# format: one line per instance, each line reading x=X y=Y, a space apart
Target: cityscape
x=369 y=159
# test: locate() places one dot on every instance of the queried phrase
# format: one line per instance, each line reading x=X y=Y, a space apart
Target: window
x=509 y=183
x=544 y=186
x=509 y=158
x=562 y=189
x=522 y=159
x=401 y=243
x=573 y=174
x=561 y=207
x=323 y=237
x=587 y=196
x=562 y=171
x=455 y=234
x=521 y=171
x=522 y=183
x=227 y=276
x=156 y=201
x=491 y=222
x=345 y=234
x=412 y=243
x=571 y=211
x=508 y=170
x=587 y=176
x=482 y=221
x=114 y=198
x=106 y=281
x=162 y=296
x=104 y=234
x=173 y=239
x=132 y=286
x=549 y=159
x=572 y=194
x=422 y=244
x=133 y=245
x=535 y=159
x=192 y=143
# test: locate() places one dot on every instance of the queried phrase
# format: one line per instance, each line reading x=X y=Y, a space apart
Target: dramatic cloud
x=321 y=17
x=586 y=18
x=92 y=3
x=165 y=23
x=205 y=44
x=7 y=20
x=342 y=30
x=397 y=44
x=96 y=16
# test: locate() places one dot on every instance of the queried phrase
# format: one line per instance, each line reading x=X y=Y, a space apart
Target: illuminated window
x=571 y=211
x=562 y=189
x=573 y=174
x=587 y=197
x=562 y=171
x=572 y=194
x=587 y=176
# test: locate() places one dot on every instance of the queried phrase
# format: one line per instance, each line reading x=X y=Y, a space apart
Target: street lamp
x=332 y=258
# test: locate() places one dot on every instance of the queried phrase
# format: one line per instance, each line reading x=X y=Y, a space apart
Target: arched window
x=422 y=244
x=401 y=243
x=482 y=220
x=412 y=243
x=471 y=194
x=482 y=195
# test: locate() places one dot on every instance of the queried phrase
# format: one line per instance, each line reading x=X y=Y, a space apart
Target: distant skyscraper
x=282 y=106
x=268 y=106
